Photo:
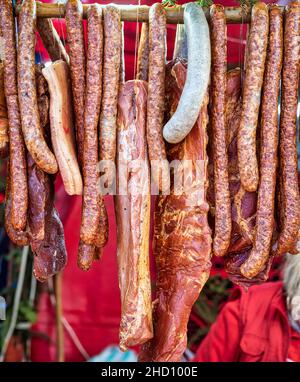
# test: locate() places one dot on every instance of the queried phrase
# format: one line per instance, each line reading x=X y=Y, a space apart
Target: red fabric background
x=91 y=301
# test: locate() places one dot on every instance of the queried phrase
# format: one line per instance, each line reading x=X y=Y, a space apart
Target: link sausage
x=4 y=140
x=290 y=219
x=268 y=155
x=222 y=233
x=256 y=55
x=77 y=65
x=111 y=79
x=17 y=170
x=31 y=128
x=91 y=207
x=156 y=94
x=103 y=231
x=85 y=256
x=20 y=237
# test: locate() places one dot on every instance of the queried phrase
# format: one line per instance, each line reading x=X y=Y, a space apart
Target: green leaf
x=28 y=313
x=205 y=3
x=169 y=3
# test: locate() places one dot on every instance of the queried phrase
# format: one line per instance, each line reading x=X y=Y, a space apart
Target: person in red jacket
x=261 y=325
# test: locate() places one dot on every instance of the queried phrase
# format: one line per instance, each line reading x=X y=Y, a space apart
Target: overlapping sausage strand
x=122 y=57
x=103 y=230
x=91 y=207
x=111 y=79
x=75 y=36
x=85 y=255
x=98 y=253
x=4 y=139
x=256 y=54
x=268 y=149
x=20 y=237
x=38 y=187
x=51 y=40
x=31 y=128
x=143 y=54
x=43 y=96
x=156 y=94
x=45 y=228
x=39 y=183
x=290 y=199
x=49 y=251
x=222 y=232
x=18 y=175
x=62 y=127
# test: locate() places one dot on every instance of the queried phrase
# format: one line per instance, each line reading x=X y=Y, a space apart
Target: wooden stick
x=60 y=356
x=234 y=15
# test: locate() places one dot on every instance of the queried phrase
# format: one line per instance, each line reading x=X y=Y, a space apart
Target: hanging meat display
x=210 y=141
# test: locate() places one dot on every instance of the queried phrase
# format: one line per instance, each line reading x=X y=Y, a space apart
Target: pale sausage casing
x=199 y=59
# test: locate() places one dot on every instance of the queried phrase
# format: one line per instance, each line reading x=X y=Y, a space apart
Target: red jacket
x=254 y=327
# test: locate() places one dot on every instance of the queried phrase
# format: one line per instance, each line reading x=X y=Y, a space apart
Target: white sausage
x=198 y=73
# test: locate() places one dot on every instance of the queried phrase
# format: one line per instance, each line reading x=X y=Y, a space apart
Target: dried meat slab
x=182 y=237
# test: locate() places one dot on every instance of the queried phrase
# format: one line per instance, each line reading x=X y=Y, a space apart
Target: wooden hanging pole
x=234 y=15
